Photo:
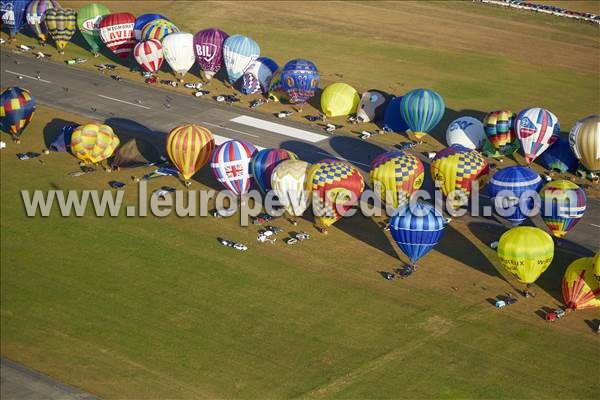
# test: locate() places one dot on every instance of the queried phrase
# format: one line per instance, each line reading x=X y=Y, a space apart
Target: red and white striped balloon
x=116 y=31
x=149 y=55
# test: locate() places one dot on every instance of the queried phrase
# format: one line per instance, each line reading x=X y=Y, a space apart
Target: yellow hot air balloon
x=584 y=139
x=93 y=142
x=339 y=99
x=288 y=180
x=189 y=148
x=596 y=266
x=395 y=176
x=526 y=252
x=579 y=287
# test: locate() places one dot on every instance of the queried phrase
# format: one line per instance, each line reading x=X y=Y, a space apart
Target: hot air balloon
x=537 y=129
x=335 y=187
x=230 y=165
x=263 y=164
x=422 y=109
x=526 y=252
x=296 y=82
x=372 y=106
x=208 y=47
x=93 y=142
x=466 y=131
x=116 y=31
x=62 y=142
x=149 y=54
x=392 y=118
x=339 y=99
x=88 y=21
x=178 y=50
x=395 y=176
x=190 y=147
x=580 y=288
x=559 y=157
x=288 y=181
x=596 y=265
x=563 y=205
x=158 y=29
x=584 y=139
x=61 y=24
x=501 y=137
x=456 y=168
x=36 y=11
x=142 y=21
x=417 y=229
x=238 y=52
x=258 y=75
x=17 y=107
x=13 y=14
x=506 y=188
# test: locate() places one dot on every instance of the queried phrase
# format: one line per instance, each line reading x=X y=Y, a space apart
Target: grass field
x=155 y=307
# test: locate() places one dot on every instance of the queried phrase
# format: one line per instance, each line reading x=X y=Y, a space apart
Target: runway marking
x=26 y=76
x=221 y=139
x=230 y=129
x=125 y=102
x=342 y=158
x=597 y=226
x=278 y=128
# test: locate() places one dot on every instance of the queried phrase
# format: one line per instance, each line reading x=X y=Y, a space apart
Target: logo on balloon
x=92 y=24
x=527 y=128
x=460 y=124
x=206 y=51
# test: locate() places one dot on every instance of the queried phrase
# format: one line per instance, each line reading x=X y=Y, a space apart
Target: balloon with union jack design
x=230 y=165
x=536 y=129
x=149 y=55
x=189 y=148
x=563 y=206
x=116 y=31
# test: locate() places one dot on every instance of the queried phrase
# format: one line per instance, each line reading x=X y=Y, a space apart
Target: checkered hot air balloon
x=17 y=107
x=93 y=142
x=395 y=176
x=422 y=110
x=61 y=24
x=263 y=164
x=336 y=187
x=149 y=55
x=189 y=148
x=536 y=129
x=501 y=137
x=258 y=75
x=417 y=229
x=288 y=181
x=508 y=187
x=456 y=168
x=35 y=15
x=580 y=288
x=158 y=29
x=116 y=31
x=208 y=48
x=230 y=165
x=563 y=206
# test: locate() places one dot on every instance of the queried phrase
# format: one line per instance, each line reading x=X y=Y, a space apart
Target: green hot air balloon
x=88 y=22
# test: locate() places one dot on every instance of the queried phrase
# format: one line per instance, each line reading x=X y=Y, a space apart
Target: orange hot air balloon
x=580 y=287
x=189 y=148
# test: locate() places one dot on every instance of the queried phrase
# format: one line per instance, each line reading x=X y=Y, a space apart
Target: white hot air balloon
x=584 y=139
x=288 y=181
x=466 y=131
x=178 y=50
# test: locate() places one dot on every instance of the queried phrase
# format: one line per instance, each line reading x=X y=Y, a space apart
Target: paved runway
x=142 y=109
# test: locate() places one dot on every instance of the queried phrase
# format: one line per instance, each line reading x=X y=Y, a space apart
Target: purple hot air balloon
x=208 y=48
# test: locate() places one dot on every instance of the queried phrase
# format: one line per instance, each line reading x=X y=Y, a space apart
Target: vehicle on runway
x=168 y=82
x=227 y=98
x=257 y=103
x=24 y=48
x=284 y=114
x=153 y=80
x=201 y=93
x=196 y=85
x=78 y=60
x=110 y=67
x=2 y=41
x=116 y=77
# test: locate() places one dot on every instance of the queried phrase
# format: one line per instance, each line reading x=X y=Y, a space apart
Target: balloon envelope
x=580 y=288
x=392 y=119
x=559 y=157
x=536 y=129
x=62 y=142
x=422 y=109
x=190 y=147
x=263 y=164
x=135 y=152
x=339 y=99
x=501 y=137
x=17 y=107
x=238 y=52
x=508 y=186
x=208 y=47
x=372 y=106
x=289 y=181
x=13 y=14
x=36 y=11
x=178 y=50
x=158 y=29
x=296 y=82
x=142 y=20
x=526 y=252
x=88 y=22
x=466 y=131
x=149 y=55
x=93 y=142
x=230 y=165
x=563 y=205
x=116 y=31
x=584 y=139
x=395 y=176
x=61 y=24
x=258 y=75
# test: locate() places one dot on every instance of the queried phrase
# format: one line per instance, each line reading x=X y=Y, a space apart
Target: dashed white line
x=342 y=158
x=125 y=102
x=230 y=129
x=26 y=76
x=594 y=225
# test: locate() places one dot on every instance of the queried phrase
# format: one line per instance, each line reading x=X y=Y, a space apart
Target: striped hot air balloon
x=422 y=110
x=61 y=24
x=190 y=147
x=507 y=187
x=288 y=181
x=239 y=52
x=417 y=229
x=563 y=206
x=230 y=165
x=296 y=82
x=335 y=187
x=457 y=168
x=395 y=176
x=88 y=21
x=263 y=164
x=141 y=21
x=536 y=129
x=158 y=29
x=580 y=288
x=116 y=31
x=501 y=137
x=149 y=55
x=17 y=107
x=208 y=48
x=584 y=139
x=36 y=11
x=93 y=142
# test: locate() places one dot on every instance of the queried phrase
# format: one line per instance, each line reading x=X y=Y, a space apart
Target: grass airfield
x=155 y=307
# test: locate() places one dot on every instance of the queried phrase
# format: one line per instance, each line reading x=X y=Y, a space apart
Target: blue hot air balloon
x=560 y=157
x=422 y=109
x=142 y=20
x=507 y=187
x=392 y=119
x=263 y=164
x=62 y=142
x=239 y=52
x=13 y=14
x=417 y=229
x=17 y=107
x=296 y=82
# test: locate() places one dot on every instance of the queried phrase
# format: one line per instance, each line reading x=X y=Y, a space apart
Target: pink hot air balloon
x=208 y=48
x=116 y=31
x=149 y=55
